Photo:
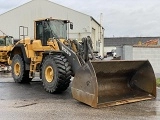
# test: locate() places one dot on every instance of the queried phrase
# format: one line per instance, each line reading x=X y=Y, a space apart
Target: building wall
x=40 y=9
x=118 y=41
x=151 y=54
x=141 y=53
x=95 y=37
x=108 y=49
x=97 y=33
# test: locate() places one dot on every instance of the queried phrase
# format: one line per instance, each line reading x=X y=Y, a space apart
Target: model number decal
x=66 y=51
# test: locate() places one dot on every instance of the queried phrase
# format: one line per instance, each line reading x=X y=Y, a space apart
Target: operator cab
x=6 y=40
x=51 y=28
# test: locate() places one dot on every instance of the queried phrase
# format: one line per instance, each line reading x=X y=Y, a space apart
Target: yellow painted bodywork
x=3 y=52
x=34 y=50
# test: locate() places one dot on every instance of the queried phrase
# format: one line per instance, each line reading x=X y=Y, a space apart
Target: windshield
x=9 y=41
x=2 y=42
x=59 y=29
x=6 y=41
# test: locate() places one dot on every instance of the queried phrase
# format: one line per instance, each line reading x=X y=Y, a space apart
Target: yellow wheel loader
x=6 y=44
x=96 y=83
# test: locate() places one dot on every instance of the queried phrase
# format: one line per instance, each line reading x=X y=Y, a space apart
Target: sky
x=120 y=18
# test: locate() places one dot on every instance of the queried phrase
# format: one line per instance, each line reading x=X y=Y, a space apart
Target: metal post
x=101 y=38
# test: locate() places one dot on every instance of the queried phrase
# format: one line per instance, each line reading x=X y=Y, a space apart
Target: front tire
x=19 y=74
x=56 y=73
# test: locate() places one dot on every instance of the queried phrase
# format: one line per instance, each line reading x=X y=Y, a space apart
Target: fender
x=20 y=49
x=51 y=52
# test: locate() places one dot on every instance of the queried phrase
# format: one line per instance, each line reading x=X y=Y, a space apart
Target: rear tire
x=19 y=74
x=56 y=73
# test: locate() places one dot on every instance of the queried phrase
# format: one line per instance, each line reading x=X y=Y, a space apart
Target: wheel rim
x=17 y=69
x=49 y=74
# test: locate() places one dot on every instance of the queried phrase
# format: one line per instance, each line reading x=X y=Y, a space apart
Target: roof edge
x=96 y=22
x=45 y=0
x=52 y=3
x=16 y=7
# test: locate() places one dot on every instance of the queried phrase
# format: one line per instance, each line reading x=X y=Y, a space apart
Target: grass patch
x=158 y=82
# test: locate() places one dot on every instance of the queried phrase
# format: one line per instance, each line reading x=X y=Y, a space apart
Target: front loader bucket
x=109 y=83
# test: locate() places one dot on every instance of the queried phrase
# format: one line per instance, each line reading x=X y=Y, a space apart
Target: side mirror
x=71 y=26
x=47 y=19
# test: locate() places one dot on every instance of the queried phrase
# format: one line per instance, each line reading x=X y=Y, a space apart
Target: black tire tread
x=64 y=73
x=24 y=73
